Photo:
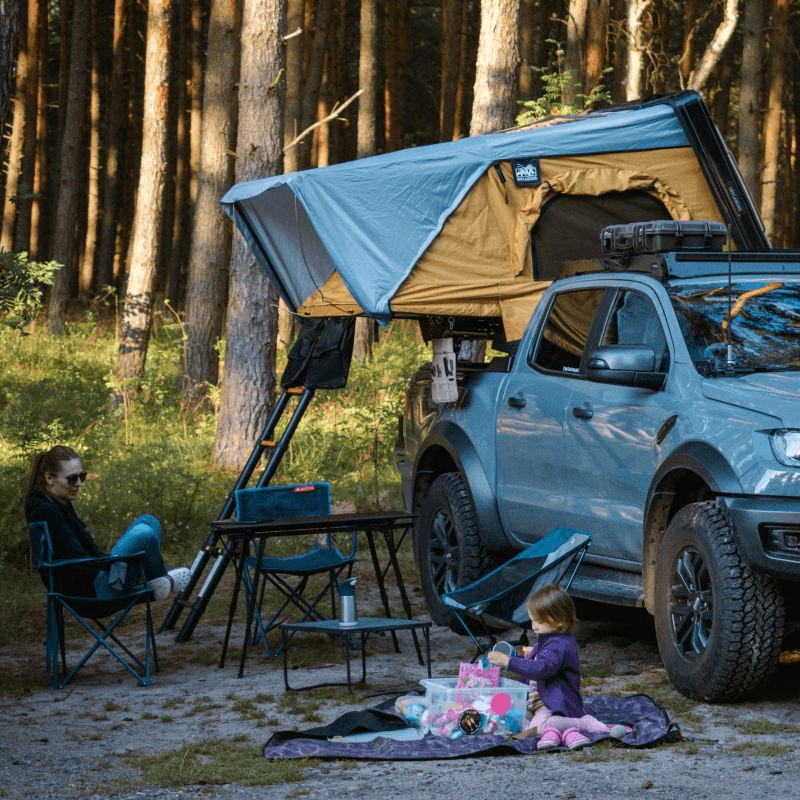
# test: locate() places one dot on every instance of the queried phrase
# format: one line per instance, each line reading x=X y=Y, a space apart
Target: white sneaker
x=180 y=578
x=161 y=587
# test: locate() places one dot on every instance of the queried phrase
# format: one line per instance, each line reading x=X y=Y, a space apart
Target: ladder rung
x=267 y=443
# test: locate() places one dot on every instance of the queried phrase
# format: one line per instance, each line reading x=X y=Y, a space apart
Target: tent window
x=570 y=225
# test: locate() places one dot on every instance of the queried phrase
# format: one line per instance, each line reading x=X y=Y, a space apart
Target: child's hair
x=552 y=606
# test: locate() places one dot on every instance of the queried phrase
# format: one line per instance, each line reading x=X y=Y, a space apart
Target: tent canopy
x=454 y=228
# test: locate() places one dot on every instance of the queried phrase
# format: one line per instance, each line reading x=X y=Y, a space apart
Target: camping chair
x=290 y=575
x=90 y=612
x=502 y=594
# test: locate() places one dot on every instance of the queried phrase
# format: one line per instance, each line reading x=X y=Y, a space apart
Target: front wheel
x=719 y=625
x=451 y=554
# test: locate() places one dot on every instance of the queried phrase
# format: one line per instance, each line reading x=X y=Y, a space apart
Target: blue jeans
x=143 y=535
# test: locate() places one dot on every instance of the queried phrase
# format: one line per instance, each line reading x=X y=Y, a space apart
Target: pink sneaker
x=574 y=739
x=550 y=738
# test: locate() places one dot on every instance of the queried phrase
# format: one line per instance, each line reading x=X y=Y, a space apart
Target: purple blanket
x=649 y=722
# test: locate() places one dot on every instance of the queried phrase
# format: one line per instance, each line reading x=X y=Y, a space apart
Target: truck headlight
x=786 y=446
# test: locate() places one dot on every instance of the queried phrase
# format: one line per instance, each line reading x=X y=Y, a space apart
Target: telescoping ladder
x=218 y=551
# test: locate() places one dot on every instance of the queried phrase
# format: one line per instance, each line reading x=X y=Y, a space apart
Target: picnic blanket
x=377 y=733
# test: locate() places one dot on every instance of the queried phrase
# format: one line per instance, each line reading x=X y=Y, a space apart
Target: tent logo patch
x=526 y=172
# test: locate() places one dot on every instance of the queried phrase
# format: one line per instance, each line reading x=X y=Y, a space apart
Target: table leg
x=388 y=535
x=237 y=583
x=376 y=565
x=252 y=599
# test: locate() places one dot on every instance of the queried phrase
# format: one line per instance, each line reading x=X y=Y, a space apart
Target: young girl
x=553 y=665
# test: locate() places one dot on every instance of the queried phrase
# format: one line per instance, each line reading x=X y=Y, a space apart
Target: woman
x=56 y=478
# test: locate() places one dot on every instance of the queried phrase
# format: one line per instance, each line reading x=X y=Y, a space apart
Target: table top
x=361 y=624
x=327 y=522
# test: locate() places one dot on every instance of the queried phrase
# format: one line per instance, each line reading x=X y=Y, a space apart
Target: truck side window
x=566 y=330
x=634 y=320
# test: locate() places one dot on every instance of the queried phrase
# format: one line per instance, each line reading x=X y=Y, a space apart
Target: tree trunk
x=294 y=80
x=749 y=151
x=87 y=261
x=210 y=250
x=117 y=101
x=315 y=43
x=9 y=23
x=362 y=345
x=636 y=10
x=24 y=203
x=772 y=119
x=716 y=47
x=574 y=54
x=494 y=102
x=248 y=382
x=150 y=197
x=596 y=45
x=466 y=71
x=72 y=173
x=450 y=23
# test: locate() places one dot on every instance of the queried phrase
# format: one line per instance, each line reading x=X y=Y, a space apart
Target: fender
x=713 y=475
x=462 y=455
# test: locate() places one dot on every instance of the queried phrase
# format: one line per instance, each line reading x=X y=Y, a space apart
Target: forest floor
x=89 y=740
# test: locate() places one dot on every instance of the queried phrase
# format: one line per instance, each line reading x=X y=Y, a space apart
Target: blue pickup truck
x=653 y=403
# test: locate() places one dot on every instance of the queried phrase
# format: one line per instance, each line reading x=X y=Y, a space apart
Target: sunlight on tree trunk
x=248 y=381
x=713 y=53
x=150 y=197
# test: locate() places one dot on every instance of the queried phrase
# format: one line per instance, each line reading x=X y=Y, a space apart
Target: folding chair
x=503 y=593
x=90 y=612
x=291 y=575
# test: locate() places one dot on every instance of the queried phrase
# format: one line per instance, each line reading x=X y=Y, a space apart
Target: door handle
x=516 y=401
x=582 y=412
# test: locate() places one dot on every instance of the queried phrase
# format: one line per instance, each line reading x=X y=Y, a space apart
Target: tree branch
x=714 y=50
x=334 y=111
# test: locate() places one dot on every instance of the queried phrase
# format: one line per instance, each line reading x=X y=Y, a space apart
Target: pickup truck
x=653 y=403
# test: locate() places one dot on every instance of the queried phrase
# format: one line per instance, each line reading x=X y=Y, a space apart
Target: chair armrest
x=98 y=561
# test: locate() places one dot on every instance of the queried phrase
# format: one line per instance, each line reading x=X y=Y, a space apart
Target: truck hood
x=770 y=393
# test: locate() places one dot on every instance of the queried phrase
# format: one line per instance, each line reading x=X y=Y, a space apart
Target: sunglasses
x=73 y=479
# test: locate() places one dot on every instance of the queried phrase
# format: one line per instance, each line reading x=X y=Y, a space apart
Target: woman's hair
x=552 y=606
x=49 y=461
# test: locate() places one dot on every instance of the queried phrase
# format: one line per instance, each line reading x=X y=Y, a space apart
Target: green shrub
x=21 y=282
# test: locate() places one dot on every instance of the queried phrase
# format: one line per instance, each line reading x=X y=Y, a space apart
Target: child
x=553 y=665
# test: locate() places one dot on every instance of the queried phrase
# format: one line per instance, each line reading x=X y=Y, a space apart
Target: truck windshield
x=748 y=326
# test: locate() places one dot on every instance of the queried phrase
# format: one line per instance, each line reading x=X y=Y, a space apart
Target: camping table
x=243 y=535
x=364 y=626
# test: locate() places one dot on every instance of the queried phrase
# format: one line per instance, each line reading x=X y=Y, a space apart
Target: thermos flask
x=347 y=603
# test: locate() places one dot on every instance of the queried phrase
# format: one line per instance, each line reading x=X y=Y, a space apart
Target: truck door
x=611 y=437
x=533 y=475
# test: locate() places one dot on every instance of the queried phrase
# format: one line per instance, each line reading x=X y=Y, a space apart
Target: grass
x=215 y=761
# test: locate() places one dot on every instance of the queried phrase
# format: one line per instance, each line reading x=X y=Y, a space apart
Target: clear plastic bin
x=502 y=709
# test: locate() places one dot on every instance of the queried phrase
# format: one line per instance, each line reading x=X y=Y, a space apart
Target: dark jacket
x=70 y=538
x=554 y=665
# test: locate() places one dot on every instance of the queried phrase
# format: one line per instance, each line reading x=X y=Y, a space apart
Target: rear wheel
x=719 y=625
x=451 y=554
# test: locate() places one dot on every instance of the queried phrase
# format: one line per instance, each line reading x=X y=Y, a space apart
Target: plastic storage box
x=449 y=707
x=663 y=236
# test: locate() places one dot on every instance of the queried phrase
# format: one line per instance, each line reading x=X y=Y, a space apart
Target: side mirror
x=625 y=365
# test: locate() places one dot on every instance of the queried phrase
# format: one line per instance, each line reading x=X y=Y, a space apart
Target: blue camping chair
x=503 y=593
x=90 y=612
x=291 y=575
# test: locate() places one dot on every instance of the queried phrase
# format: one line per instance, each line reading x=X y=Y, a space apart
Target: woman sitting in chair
x=56 y=478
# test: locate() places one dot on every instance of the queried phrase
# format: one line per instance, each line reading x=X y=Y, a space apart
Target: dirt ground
x=82 y=742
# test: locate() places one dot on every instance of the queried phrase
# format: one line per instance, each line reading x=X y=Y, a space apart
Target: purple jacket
x=554 y=665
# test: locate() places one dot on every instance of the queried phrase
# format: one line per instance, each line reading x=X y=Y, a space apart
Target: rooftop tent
x=476 y=227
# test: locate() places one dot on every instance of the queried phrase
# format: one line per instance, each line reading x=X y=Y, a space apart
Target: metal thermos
x=347 y=603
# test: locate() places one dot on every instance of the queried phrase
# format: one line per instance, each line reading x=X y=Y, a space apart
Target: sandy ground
x=83 y=741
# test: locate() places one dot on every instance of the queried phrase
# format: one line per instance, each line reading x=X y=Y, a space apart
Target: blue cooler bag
x=266 y=503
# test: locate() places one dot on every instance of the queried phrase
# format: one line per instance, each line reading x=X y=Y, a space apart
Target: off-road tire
x=719 y=625
x=451 y=553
